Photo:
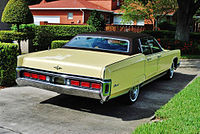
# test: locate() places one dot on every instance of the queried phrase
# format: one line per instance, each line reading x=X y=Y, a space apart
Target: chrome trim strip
x=152 y=79
x=18 y=69
x=63 y=89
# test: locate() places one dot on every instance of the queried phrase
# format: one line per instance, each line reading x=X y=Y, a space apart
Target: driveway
x=28 y=110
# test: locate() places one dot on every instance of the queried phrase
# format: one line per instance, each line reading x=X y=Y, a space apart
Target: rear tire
x=132 y=95
x=170 y=72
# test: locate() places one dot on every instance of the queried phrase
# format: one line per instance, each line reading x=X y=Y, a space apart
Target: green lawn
x=190 y=56
x=181 y=115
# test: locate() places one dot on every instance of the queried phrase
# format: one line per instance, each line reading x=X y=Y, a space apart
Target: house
x=78 y=11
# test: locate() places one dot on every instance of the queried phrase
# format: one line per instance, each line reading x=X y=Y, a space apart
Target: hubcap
x=171 y=71
x=134 y=93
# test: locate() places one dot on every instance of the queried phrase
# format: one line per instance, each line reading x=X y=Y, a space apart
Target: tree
x=96 y=20
x=3 y=26
x=186 y=10
x=17 y=12
x=152 y=10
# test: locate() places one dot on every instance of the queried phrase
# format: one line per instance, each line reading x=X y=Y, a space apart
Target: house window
x=117 y=20
x=108 y=19
x=70 y=16
x=140 y=22
x=118 y=3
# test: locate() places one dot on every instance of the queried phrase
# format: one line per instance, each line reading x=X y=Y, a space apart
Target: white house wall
x=50 y=19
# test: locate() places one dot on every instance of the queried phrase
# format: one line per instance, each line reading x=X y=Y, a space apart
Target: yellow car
x=101 y=65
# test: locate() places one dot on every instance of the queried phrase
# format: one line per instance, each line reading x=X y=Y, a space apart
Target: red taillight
x=96 y=85
x=26 y=74
x=34 y=76
x=85 y=84
x=75 y=83
x=42 y=77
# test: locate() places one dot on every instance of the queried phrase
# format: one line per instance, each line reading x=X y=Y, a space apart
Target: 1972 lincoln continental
x=101 y=65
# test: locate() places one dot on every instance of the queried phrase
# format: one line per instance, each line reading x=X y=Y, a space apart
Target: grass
x=181 y=115
x=190 y=57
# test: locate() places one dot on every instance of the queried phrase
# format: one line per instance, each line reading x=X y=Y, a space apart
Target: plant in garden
x=8 y=63
x=17 y=12
x=152 y=10
x=97 y=20
x=58 y=43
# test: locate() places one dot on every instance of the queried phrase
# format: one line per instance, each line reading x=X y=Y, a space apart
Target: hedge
x=29 y=29
x=9 y=36
x=58 y=43
x=45 y=34
x=63 y=31
x=8 y=63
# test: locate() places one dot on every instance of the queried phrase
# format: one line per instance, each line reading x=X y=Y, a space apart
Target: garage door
x=50 y=19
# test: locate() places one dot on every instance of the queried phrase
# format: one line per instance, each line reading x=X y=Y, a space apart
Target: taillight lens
x=42 y=77
x=85 y=84
x=26 y=74
x=96 y=85
x=34 y=76
x=75 y=83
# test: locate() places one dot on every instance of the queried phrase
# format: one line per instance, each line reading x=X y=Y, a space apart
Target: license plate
x=59 y=80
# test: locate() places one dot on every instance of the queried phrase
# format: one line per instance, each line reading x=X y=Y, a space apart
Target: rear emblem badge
x=57 y=67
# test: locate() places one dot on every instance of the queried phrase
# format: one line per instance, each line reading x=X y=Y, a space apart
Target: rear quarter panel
x=125 y=74
x=167 y=58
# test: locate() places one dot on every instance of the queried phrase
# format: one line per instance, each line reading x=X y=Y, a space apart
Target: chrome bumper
x=62 y=89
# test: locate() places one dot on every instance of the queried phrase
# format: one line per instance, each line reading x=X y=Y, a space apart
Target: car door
x=151 y=59
x=160 y=53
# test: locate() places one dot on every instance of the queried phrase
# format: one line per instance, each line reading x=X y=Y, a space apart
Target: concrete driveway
x=28 y=110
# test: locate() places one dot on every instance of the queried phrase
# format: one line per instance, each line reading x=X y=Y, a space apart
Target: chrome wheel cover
x=133 y=94
x=171 y=71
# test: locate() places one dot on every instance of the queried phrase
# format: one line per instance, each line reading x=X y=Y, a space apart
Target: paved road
x=27 y=110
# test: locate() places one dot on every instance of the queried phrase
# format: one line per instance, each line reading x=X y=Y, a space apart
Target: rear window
x=99 y=43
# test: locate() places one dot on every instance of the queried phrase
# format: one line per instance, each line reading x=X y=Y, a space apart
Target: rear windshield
x=99 y=43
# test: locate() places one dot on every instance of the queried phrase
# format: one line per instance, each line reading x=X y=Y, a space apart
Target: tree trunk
x=184 y=20
x=20 y=52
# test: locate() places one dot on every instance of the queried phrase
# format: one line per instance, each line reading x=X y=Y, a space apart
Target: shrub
x=58 y=43
x=96 y=20
x=29 y=29
x=8 y=63
x=17 y=12
x=42 y=39
x=9 y=36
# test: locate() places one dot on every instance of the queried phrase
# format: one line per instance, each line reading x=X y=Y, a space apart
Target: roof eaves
x=71 y=9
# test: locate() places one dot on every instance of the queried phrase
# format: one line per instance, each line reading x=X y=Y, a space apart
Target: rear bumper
x=63 y=89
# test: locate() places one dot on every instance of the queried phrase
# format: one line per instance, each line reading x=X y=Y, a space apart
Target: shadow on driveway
x=152 y=97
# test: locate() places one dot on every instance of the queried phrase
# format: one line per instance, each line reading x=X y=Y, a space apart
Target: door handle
x=159 y=56
x=148 y=59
